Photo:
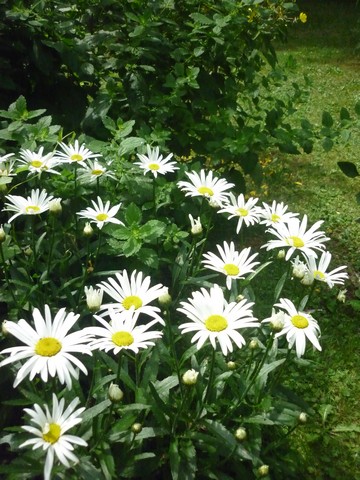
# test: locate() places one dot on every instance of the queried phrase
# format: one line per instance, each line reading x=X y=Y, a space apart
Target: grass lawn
x=324 y=50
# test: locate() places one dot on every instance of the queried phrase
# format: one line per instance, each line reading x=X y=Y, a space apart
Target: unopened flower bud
x=281 y=254
x=88 y=230
x=231 y=365
x=263 y=470
x=2 y=234
x=55 y=206
x=4 y=329
x=196 y=227
x=214 y=204
x=303 y=417
x=136 y=428
x=115 y=393
x=254 y=344
x=342 y=295
x=239 y=298
x=165 y=298
x=93 y=298
x=190 y=377
x=277 y=321
x=240 y=434
x=308 y=279
x=27 y=251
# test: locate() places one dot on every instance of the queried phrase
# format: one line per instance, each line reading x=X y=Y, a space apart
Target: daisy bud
x=240 y=434
x=27 y=251
x=4 y=329
x=190 y=377
x=254 y=344
x=342 y=295
x=115 y=393
x=93 y=298
x=136 y=428
x=214 y=203
x=55 y=206
x=231 y=365
x=277 y=322
x=281 y=254
x=3 y=188
x=2 y=234
x=165 y=298
x=263 y=470
x=302 y=417
x=308 y=279
x=239 y=298
x=88 y=230
x=196 y=227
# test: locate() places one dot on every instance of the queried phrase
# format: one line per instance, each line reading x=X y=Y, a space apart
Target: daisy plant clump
x=149 y=327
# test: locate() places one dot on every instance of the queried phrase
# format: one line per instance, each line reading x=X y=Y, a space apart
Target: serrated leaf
x=152 y=230
x=349 y=169
x=131 y=246
x=133 y=214
x=130 y=144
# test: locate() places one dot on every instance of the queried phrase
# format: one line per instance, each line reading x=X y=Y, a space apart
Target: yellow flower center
x=216 y=323
x=275 y=218
x=76 y=157
x=319 y=275
x=299 y=321
x=32 y=209
x=205 y=191
x=101 y=217
x=97 y=172
x=231 y=269
x=51 y=433
x=242 y=212
x=48 y=347
x=154 y=166
x=122 y=339
x=132 y=301
x=295 y=242
x=36 y=163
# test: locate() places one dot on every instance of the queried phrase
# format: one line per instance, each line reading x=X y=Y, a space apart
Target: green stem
x=211 y=377
x=6 y=274
x=170 y=337
x=51 y=246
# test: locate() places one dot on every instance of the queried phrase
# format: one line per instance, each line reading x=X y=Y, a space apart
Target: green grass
x=324 y=49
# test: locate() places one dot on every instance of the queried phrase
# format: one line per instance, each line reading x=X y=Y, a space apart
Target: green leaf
x=200 y=18
x=344 y=114
x=121 y=233
x=279 y=286
x=327 y=120
x=133 y=214
x=152 y=230
x=94 y=411
x=357 y=108
x=349 y=169
x=129 y=145
x=131 y=246
x=327 y=144
x=346 y=428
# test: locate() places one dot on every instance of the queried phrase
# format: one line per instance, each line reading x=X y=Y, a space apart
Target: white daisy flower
x=318 y=271
x=48 y=348
x=50 y=429
x=298 y=326
x=37 y=162
x=245 y=211
x=275 y=213
x=38 y=202
x=206 y=185
x=214 y=319
x=231 y=263
x=121 y=332
x=92 y=171
x=74 y=153
x=155 y=163
x=295 y=236
x=133 y=293
x=101 y=213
